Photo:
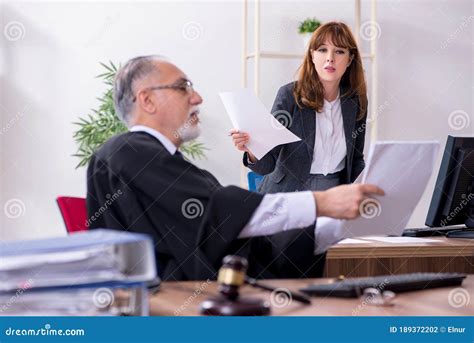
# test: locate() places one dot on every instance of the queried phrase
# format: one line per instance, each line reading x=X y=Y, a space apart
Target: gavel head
x=232 y=275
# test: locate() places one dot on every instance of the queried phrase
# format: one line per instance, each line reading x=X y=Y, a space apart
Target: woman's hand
x=240 y=140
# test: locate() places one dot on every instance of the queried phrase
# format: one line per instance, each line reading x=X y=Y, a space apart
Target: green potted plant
x=306 y=29
x=97 y=127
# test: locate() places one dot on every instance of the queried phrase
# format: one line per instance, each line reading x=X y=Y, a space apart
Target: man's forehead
x=168 y=72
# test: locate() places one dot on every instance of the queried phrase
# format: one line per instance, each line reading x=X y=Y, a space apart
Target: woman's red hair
x=309 y=90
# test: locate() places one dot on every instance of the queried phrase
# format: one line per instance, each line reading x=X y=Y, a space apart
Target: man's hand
x=343 y=202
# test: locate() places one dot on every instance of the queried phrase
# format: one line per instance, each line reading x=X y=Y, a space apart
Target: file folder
x=95 y=256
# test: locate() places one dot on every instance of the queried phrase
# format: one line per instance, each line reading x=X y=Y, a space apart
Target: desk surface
x=183 y=298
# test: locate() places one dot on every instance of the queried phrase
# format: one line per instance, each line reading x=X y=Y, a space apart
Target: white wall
x=47 y=80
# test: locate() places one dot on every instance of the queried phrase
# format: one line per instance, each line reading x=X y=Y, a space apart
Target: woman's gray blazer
x=286 y=167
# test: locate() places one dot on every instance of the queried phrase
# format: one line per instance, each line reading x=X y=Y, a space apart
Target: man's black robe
x=135 y=184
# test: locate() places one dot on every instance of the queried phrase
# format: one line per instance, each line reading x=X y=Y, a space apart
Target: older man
x=194 y=220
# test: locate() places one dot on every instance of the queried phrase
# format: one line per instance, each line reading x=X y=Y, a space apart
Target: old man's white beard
x=188 y=132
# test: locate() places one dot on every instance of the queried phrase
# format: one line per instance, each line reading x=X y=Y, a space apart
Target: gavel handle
x=296 y=296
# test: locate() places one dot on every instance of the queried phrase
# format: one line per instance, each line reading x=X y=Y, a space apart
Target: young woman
x=327 y=108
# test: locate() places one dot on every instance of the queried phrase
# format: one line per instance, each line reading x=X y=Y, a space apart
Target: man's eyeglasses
x=184 y=85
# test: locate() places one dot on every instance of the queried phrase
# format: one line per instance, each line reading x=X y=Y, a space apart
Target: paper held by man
x=402 y=170
x=248 y=114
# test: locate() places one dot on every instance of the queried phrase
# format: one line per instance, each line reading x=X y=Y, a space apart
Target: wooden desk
x=380 y=258
x=183 y=298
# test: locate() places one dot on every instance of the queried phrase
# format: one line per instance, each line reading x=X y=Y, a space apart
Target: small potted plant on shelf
x=96 y=128
x=307 y=28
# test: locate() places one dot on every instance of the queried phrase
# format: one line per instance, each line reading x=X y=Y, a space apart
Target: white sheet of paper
x=398 y=240
x=248 y=114
x=352 y=241
x=402 y=170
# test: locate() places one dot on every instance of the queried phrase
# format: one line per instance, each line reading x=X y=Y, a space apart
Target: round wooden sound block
x=221 y=306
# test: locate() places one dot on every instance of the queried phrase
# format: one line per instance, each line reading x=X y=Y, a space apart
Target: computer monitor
x=453 y=196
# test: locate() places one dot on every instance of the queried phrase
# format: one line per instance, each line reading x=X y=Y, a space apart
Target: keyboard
x=426 y=232
x=355 y=287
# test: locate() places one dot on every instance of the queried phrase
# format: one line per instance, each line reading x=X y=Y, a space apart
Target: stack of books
x=99 y=272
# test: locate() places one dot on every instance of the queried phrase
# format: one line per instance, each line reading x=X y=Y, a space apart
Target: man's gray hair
x=135 y=69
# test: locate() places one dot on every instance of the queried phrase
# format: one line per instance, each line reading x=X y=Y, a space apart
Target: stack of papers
x=402 y=240
x=60 y=268
x=72 y=270
x=60 y=302
x=393 y=240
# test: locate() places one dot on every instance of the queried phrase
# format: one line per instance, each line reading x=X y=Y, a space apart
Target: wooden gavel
x=229 y=303
x=232 y=275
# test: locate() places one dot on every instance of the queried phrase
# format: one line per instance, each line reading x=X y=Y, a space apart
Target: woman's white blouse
x=330 y=143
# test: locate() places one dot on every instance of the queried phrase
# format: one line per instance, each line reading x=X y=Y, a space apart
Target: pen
x=296 y=296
